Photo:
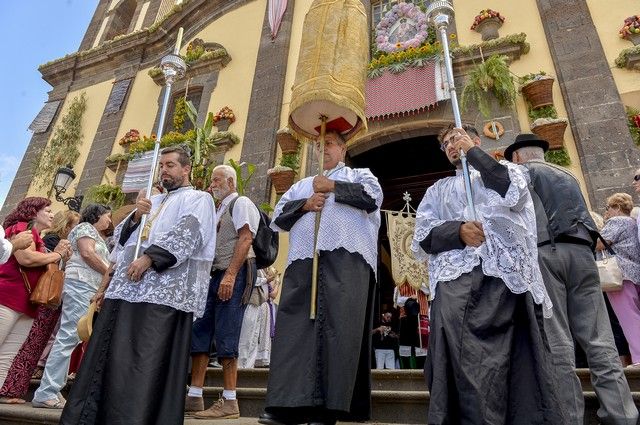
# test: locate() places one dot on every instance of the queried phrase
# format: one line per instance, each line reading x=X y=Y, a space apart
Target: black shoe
x=269 y=419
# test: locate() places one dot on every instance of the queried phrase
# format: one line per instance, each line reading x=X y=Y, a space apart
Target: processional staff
x=173 y=67
x=439 y=14
x=328 y=92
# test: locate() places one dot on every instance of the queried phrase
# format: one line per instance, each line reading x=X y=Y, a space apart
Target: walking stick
x=314 y=268
x=173 y=68
x=440 y=12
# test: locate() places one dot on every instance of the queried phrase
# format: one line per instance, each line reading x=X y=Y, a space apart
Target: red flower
x=636 y=120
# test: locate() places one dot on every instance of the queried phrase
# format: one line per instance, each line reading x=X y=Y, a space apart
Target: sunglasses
x=636 y=177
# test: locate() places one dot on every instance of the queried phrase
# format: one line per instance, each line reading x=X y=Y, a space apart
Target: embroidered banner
x=404 y=267
x=408 y=92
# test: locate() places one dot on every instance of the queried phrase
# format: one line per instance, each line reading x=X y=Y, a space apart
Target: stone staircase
x=399 y=397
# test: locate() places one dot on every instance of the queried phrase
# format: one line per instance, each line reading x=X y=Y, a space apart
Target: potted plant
x=631 y=29
x=551 y=130
x=287 y=141
x=491 y=77
x=105 y=194
x=537 y=89
x=116 y=161
x=487 y=23
x=224 y=118
x=282 y=175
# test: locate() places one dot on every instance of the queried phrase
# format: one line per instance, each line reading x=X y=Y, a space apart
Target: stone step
x=389 y=380
x=389 y=407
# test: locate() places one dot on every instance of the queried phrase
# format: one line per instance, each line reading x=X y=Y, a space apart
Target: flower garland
x=484 y=15
x=406 y=11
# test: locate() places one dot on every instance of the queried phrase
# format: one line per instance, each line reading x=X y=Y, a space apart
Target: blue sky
x=32 y=32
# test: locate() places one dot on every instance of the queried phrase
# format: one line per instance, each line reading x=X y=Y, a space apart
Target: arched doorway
x=407 y=165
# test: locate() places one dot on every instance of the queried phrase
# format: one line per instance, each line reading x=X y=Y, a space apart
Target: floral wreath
x=399 y=11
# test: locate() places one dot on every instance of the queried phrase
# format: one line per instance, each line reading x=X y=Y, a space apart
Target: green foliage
x=633 y=119
x=117 y=157
x=154 y=72
x=217 y=136
x=558 y=157
x=266 y=207
x=397 y=62
x=291 y=160
x=104 y=194
x=530 y=77
x=242 y=179
x=201 y=146
x=179 y=113
x=510 y=40
x=491 y=77
x=63 y=149
x=548 y=111
x=623 y=58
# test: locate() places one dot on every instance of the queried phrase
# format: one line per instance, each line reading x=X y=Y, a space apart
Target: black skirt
x=323 y=367
x=134 y=371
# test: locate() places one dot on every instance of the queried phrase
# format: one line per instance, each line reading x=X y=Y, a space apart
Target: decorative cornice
x=146 y=46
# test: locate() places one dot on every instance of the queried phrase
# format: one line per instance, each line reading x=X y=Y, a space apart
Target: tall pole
x=440 y=13
x=173 y=68
x=316 y=258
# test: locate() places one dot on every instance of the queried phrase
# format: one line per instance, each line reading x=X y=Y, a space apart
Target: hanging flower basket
x=223 y=124
x=282 y=178
x=631 y=29
x=487 y=23
x=489 y=29
x=539 y=92
x=551 y=130
x=287 y=141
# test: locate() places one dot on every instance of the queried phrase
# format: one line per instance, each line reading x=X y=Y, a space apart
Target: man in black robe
x=320 y=369
x=487 y=359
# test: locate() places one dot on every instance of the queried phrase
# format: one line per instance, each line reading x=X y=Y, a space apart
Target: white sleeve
x=5 y=247
x=245 y=212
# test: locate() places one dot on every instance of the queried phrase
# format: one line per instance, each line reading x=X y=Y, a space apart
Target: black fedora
x=524 y=140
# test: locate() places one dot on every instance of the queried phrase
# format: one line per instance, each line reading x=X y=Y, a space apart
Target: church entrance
x=409 y=165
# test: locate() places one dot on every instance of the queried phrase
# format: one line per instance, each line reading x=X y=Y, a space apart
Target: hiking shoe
x=193 y=404
x=221 y=409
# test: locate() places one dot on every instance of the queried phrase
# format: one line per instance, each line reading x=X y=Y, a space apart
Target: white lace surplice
x=186 y=228
x=510 y=250
x=341 y=225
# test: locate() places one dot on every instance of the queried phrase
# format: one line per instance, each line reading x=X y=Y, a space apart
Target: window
x=121 y=18
x=194 y=95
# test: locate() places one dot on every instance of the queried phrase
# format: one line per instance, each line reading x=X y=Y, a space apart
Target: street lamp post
x=64 y=177
x=173 y=68
x=440 y=14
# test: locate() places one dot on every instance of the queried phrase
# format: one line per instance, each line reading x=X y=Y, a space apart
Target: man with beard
x=134 y=369
x=320 y=369
x=487 y=361
x=233 y=275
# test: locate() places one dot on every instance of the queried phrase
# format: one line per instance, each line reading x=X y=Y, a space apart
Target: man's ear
x=476 y=140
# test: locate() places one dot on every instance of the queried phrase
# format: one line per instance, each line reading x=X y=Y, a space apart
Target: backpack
x=265 y=243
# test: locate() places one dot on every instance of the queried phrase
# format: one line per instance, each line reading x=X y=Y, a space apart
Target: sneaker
x=214 y=363
x=193 y=404
x=221 y=409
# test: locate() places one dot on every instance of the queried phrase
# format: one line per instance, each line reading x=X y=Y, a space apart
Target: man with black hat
x=566 y=237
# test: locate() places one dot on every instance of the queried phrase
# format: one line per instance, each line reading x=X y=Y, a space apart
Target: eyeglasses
x=445 y=143
x=636 y=177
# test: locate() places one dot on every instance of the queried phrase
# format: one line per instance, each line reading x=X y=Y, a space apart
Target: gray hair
x=229 y=173
x=528 y=153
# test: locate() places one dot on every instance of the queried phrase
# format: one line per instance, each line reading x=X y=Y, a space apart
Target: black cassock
x=320 y=369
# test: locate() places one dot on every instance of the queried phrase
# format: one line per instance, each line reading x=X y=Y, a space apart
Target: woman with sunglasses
x=620 y=231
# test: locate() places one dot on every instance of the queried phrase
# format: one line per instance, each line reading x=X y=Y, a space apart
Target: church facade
x=242 y=56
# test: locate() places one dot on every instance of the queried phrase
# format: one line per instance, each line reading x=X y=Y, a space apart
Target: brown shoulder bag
x=48 y=290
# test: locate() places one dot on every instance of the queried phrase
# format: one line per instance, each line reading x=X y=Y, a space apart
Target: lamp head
x=64 y=177
x=440 y=13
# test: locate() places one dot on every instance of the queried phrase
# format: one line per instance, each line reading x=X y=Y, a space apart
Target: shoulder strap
x=607 y=247
x=231 y=205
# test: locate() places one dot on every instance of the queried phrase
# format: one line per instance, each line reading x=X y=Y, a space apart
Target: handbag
x=609 y=270
x=48 y=290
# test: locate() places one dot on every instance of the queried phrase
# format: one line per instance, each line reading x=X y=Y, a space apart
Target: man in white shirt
x=232 y=277
x=7 y=247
